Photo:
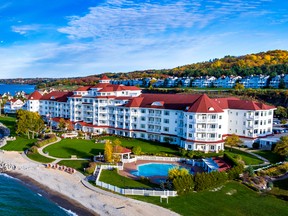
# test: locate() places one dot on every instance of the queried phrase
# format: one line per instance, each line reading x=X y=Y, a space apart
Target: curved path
x=266 y=162
x=40 y=151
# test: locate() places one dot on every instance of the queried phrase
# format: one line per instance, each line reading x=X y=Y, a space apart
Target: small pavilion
x=122 y=151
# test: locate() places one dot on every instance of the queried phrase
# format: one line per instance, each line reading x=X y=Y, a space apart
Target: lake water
x=17 y=199
x=13 y=88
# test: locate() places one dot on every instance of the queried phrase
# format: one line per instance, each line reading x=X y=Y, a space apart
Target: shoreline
x=68 y=191
x=54 y=196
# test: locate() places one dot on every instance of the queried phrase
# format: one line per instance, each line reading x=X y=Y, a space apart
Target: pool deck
x=128 y=167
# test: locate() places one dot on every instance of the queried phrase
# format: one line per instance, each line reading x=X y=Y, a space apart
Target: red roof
x=121 y=150
x=35 y=96
x=204 y=105
x=236 y=103
x=57 y=96
x=112 y=88
x=83 y=88
x=104 y=77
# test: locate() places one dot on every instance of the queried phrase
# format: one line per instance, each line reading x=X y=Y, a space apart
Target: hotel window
x=143 y=111
x=190 y=117
x=190 y=135
x=190 y=125
x=244 y=132
x=166 y=129
x=256 y=113
x=143 y=118
x=256 y=122
x=220 y=117
x=166 y=112
x=213 y=117
x=166 y=121
x=142 y=126
x=255 y=131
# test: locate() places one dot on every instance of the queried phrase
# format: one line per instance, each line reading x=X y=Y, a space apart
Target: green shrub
x=48 y=139
x=90 y=169
x=137 y=150
x=204 y=181
x=33 y=150
x=183 y=184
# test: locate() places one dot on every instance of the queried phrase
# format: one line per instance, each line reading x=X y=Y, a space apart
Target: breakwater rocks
x=4 y=167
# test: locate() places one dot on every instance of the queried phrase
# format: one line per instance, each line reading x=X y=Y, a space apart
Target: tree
x=117 y=142
x=137 y=150
x=233 y=140
x=177 y=172
x=239 y=86
x=281 y=147
x=108 y=151
x=28 y=122
x=62 y=124
x=281 y=112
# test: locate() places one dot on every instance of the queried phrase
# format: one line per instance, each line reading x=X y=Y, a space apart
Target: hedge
x=204 y=181
x=48 y=139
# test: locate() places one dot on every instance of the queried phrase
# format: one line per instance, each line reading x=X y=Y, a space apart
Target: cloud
x=129 y=19
x=24 y=29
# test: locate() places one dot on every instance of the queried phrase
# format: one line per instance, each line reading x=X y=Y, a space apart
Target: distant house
x=11 y=106
x=255 y=82
x=274 y=83
x=203 y=82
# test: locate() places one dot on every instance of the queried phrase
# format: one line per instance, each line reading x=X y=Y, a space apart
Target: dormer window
x=211 y=109
x=52 y=98
x=157 y=103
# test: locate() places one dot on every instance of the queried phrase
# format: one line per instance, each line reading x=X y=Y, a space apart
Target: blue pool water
x=153 y=169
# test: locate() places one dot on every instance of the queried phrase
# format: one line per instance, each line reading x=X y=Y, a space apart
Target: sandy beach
x=68 y=191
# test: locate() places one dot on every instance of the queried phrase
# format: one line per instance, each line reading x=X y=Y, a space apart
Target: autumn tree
x=239 y=86
x=233 y=140
x=28 y=122
x=62 y=124
x=281 y=147
x=108 y=151
x=281 y=112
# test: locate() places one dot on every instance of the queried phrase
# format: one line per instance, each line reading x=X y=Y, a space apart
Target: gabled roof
x=135 y=102
x=104 y=77
x=57 y=96
x=83 y=88
x=36 y=95
x=120 y=150
x=236 y=103
x=204 y=105
x=113 y=88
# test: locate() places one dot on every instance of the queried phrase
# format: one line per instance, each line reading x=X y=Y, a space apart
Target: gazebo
x=122 y=151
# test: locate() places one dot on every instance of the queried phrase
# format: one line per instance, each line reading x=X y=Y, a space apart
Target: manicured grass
x=247 y=158
x=242 y=201
x=81 y=148
x=113 y=178
x=147 y=146
x=76 y=164
x=39 y=158
x=269 y=155
x=20 y=144
x=9 y=122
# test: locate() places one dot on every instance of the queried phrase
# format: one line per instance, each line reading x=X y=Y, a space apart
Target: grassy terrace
x=272 y=157
x=147 y=146
x=79 y=165
x=233 y=199
x=113 y=178
x=39 y=158
x=81 y=148
x=9 y=122
x=246 y=157
x=20 y=144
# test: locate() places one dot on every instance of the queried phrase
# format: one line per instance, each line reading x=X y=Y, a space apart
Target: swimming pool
x=153 y=169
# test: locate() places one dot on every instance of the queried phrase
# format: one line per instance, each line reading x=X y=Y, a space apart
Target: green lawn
x=147 y=146
x=9 y=122
x=79 y=165
x=113 y=178
x=242 y=202
x=81 y=148
x=269 y=155
x=39 y=158
x=247 y=158
x=20 y=144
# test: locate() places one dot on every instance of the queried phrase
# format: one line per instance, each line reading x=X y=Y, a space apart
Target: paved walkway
x=40 y=150
x=266 y=162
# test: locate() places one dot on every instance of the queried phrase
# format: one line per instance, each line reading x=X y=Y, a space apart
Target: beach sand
x=68 y=191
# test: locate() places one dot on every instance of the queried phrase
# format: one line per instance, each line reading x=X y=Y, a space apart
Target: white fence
x=157 y=158
x=139 y=192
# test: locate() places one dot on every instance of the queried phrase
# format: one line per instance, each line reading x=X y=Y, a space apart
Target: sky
x=72 y=38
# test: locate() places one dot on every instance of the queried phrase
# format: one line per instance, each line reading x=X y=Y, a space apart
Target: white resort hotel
x=192 y=121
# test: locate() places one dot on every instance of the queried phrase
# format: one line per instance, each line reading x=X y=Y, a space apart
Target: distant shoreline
x=54 y=196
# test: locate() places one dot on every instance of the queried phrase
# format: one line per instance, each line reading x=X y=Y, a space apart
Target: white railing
x=139 y=192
